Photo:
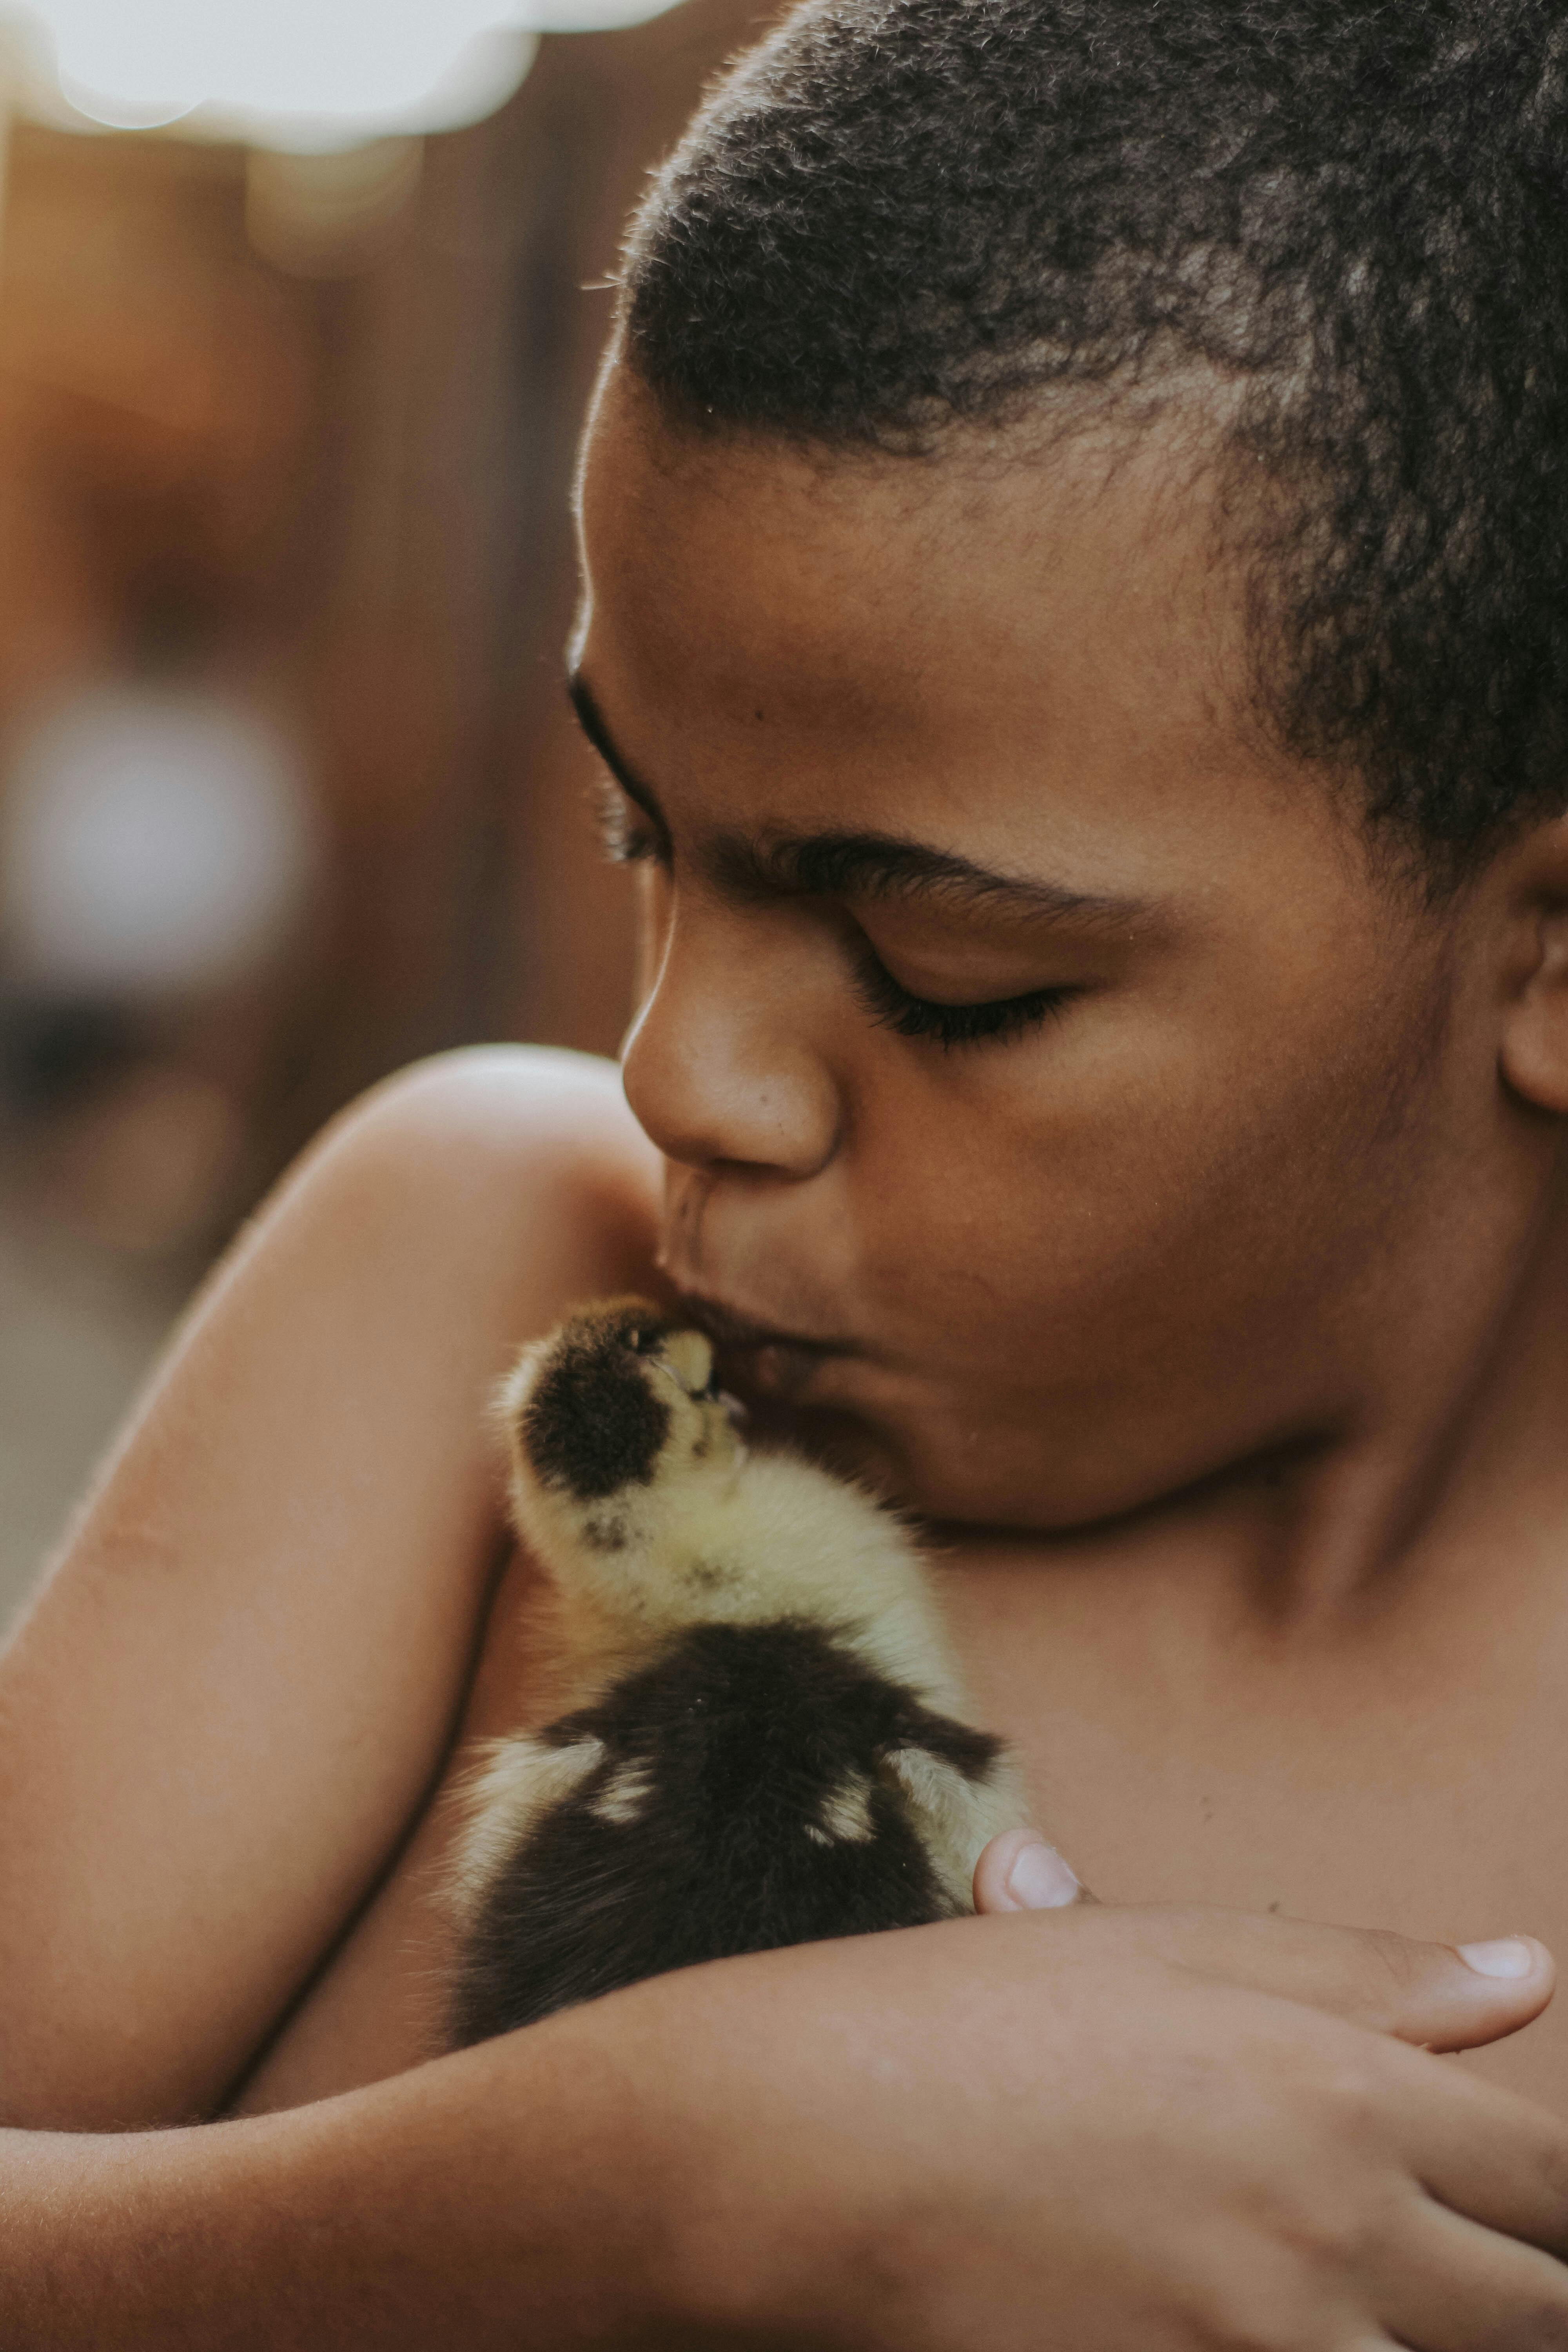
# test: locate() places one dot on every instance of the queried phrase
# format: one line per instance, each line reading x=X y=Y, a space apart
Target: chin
x=844 y=1443
x=927 y=1454
x=895 y=1462
x=930 y=1463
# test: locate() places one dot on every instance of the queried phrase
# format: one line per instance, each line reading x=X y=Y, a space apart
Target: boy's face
x=1053 y=1263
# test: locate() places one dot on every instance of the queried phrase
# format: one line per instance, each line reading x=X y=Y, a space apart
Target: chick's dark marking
x=741 y=1736
x=594 y=1424
x=753 y=1775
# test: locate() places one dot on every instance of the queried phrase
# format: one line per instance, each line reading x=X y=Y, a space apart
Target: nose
x=721 y=1067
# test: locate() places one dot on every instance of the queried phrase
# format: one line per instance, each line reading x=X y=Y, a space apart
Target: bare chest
x=1376 y=1783
x=1414 y=1779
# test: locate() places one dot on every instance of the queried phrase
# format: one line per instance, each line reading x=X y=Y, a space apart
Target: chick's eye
x=999 y=1019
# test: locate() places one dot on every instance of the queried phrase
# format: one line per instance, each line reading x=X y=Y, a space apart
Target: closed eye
x=999 y=1019
x=628 y=837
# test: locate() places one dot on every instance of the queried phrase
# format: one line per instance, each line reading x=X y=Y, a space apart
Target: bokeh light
x=303 y=74
x=150 y=840
x=301 y=301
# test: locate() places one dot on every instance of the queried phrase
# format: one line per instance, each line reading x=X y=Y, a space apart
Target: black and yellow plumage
x=771 y=1744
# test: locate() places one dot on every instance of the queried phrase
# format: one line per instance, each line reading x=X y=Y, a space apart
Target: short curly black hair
x=899 y=219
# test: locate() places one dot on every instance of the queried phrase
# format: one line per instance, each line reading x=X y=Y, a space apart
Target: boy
x=1073 y=537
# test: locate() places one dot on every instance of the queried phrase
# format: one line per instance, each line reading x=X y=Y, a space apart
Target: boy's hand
x=1391 y=1983
x=1100 y=2130
x=1083 y=2130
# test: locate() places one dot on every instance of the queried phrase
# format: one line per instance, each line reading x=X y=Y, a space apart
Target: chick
x=771 y=1744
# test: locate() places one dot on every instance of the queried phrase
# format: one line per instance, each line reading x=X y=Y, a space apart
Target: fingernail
x=1040 y=1880
x=1510 y=1956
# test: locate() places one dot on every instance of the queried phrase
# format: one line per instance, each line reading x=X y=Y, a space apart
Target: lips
x=727 y=1327
x=759 y=1359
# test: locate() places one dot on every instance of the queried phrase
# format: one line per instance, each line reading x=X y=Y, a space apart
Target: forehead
x=969 y=638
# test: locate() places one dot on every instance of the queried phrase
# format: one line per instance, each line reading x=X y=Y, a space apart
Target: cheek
x=1087 y=1312
x=1166 y=1180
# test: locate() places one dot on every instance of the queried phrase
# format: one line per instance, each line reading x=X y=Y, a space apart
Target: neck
x=1445 y=1464
x=1478 y=1458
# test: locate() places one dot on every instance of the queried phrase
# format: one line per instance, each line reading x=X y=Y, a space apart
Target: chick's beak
x=689 y=1355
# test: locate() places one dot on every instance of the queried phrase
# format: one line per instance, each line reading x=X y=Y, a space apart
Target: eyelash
x=626 y=839
x=999 y=1021
x=629 y=841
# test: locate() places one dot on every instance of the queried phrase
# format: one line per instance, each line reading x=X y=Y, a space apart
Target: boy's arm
x=231 y=1698
x=1086 y=2127
x=218 y=1722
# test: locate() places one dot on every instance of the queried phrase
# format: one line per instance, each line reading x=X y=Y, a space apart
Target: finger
x=1441 y=1996
x=1456 y=2285
x=1019 y=1871
x=1485 y=2155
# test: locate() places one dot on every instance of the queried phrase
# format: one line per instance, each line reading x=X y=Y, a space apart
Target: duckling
x=770 y=1745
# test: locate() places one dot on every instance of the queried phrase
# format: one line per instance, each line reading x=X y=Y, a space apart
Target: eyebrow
x=834 y=864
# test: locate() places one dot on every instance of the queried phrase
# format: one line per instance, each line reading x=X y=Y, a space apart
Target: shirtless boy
x=1075 y=535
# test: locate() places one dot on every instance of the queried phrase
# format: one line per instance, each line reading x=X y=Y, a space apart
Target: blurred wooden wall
x=479 y=904
x=598 y=113
x=352 y=487
x=483 y=907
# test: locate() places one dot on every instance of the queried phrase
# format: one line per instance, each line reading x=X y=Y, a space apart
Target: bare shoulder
x=477 y=1191
x=230 y=1700
x=518 y=1133
x=501 y=1099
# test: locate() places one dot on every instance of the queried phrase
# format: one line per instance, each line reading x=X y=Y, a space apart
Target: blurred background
x=299 y=303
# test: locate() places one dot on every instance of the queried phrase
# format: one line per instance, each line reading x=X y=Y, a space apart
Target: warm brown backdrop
x=327 y=473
